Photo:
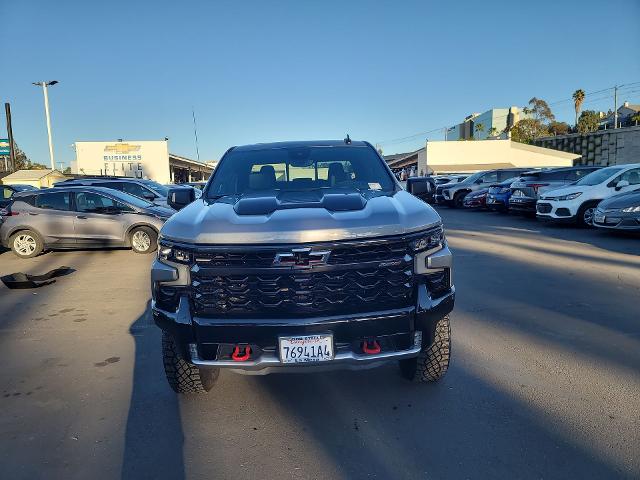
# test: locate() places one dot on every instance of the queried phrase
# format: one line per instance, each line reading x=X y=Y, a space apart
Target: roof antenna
x=347 y=140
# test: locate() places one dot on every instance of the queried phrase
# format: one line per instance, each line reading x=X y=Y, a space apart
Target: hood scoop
x=267 y=204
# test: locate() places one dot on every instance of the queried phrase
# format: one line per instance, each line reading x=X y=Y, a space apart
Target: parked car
x=577 y=202
x=526 y=191
x=7 y=191
x=620 y=212
x=498 y=195
x=477 y=199
x=453 y=194
x=422 y=187
x=444 y=181
x=198 y=185
x=286 y=265
x=80 y=217
x=149 y=190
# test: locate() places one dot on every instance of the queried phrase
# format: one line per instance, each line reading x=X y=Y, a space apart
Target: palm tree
x=479 y=127
x=578 y=98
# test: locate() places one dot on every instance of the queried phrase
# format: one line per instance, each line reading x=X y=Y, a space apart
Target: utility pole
x=615 y=106
x=445 y=134
x=12 y=148
x=195 y=132
x=45 y=86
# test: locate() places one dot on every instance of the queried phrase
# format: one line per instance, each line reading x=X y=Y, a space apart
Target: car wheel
x=184 y=376
x=585 y=214
x=433 y=361
x=144 y=240
x=26 y=244
x=458 y=199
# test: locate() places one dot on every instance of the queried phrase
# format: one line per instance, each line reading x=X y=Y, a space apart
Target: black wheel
x=143 y=240
x=585 y=214
x=26 y=244
x=183 y=376
x=433 y=361
x=458 y=199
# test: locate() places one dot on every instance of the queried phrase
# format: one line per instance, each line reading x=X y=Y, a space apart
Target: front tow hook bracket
x=371 y=348
x=236 y=356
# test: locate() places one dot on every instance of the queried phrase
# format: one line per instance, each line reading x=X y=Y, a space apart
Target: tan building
x=36 y=178
x=473 y=156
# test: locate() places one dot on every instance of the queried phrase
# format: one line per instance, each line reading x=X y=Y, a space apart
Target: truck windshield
x=300 y=168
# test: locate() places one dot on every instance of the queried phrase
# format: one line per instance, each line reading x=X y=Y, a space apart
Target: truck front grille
x=358 y=277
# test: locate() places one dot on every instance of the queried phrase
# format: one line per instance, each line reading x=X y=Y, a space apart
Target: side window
x=553 y=176
x=136 y=189
x=89 y=202
x=6 y=192
x=490 y=177
x=53 y=201
x=632 y=176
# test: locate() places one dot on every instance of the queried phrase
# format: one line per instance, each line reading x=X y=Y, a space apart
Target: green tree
x=24 y=163
x=578 y=98
x=479 y=127
x=539 y=110
x=493 y=132
x=636 y=118
x=588 y=121
x=528 y=129
x=559 y=128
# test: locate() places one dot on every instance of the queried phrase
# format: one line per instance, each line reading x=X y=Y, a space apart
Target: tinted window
x=554 y=175
x=96 y=203
x=573 y=175
x=490 y=177
x=158 y=188
x=300 y=168
x=6 y=192
x=632 y=176
x=53 y=201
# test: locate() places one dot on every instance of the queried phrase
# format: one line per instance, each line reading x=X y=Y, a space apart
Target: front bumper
x=522 y=204
x=207 y=342
x=556 y=211
x=617 y=220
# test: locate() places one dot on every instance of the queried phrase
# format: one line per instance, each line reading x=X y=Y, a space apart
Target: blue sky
x=277 y=70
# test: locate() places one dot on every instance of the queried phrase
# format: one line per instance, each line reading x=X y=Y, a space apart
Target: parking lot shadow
x=153 y=438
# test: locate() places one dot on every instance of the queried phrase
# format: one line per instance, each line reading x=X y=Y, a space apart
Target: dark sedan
x=621 y=212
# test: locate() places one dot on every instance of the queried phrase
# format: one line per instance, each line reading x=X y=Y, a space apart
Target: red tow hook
x=236 y=357
x=371 y=348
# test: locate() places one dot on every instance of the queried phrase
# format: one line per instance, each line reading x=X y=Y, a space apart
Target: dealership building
x=148 y=159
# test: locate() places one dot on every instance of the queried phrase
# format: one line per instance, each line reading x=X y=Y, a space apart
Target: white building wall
x=141 y=159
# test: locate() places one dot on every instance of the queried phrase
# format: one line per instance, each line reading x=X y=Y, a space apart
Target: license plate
x=306 y=349
x=599 y=218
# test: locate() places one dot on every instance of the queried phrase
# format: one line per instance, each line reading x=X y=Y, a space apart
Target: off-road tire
x=36 y=242
x=150 y=233
x=580 y=220
x=433 y=361
x=458 y=199
x=183 y=376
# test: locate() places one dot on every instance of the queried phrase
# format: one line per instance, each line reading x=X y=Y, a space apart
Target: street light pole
x=45 y=86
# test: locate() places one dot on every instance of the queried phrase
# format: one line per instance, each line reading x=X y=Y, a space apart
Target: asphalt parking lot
x=544 y=380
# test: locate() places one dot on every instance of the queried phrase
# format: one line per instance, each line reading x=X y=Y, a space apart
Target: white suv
x=577 y=202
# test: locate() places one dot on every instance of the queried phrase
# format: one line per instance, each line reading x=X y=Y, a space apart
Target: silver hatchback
x=80 y=217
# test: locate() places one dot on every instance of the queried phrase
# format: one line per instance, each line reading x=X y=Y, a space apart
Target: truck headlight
x=431 y=241
x=166 y=251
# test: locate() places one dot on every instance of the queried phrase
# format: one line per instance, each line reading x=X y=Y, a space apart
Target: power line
x=395 y=141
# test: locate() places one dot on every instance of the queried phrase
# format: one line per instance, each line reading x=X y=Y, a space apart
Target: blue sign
x=5 y=147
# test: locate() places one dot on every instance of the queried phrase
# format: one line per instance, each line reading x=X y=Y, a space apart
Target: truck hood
x=207 y=222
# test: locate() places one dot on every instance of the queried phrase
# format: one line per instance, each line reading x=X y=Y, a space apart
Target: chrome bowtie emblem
x=301 y=258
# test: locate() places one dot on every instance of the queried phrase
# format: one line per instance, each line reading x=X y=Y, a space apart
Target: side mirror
x=180 y=197
x=149 y=196
x=419 y=186
x=622 y=184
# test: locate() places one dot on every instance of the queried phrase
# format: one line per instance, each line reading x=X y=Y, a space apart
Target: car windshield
x=157 y=187
x=599 y=176
x=130 y=199
x=300 y=168
x=23 y=188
